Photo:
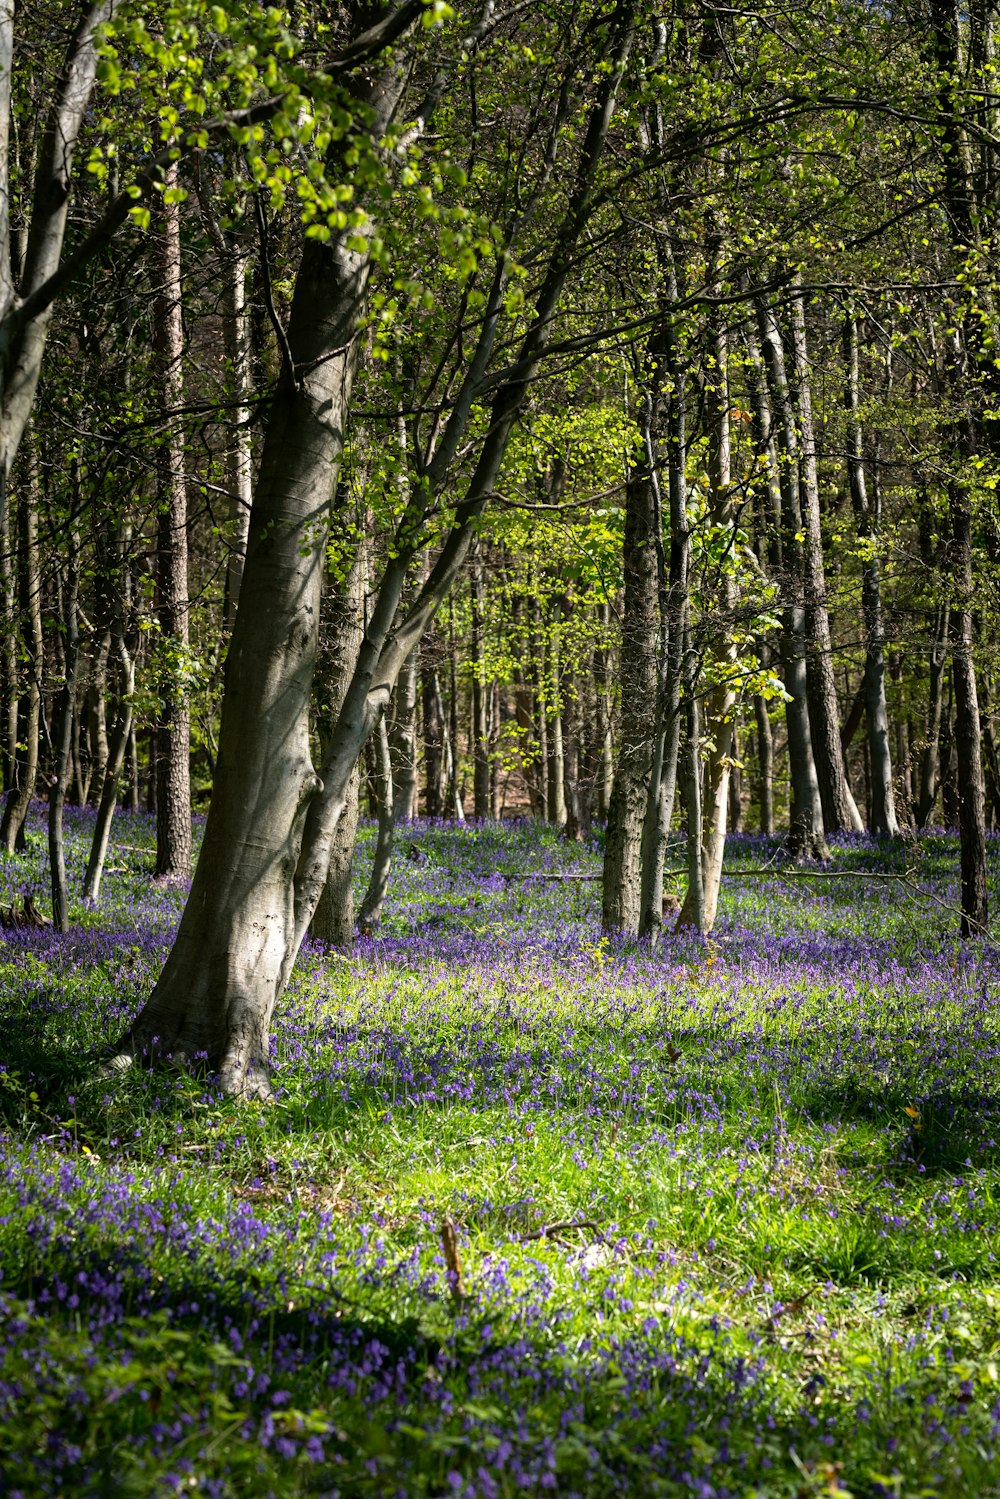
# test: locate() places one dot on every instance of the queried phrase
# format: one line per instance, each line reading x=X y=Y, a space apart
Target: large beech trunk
x=266 y=849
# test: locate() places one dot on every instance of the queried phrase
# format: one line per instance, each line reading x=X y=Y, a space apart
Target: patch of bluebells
x=181 y=1314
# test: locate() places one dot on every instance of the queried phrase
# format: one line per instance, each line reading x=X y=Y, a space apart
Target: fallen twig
x=553 y=1230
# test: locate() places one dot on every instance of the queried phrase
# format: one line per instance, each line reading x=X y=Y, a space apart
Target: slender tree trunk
x=109 y=791
x=622 y=889
x=62 y=743
x=701 y=900
x=930 y=765
x=765 y=765
x=693 y=913
x=239 y=456
x=557 y=809
x=602 y=696
x=807 y=837
x=672 y=591
x=839 y=810
x=480 y=726
x=9 y=651
x=971 y=792
x=343 y=630
x=19 y=799
x=867 y=517
x=433 y=720
x=173 y=785
x=371 y=907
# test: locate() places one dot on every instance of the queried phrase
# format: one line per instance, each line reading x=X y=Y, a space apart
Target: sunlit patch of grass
x=724 y=1215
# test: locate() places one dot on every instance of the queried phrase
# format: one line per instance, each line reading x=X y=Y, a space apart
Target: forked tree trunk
x=265 y=852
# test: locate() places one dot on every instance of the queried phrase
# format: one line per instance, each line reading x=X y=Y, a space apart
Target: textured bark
x=239 y=458
x=930 y=764
x=26 y=761
x=621 y=904
x=62 y=743
x=371 y=907
x=807 y=837
x=480 y=724
x=24 y=319
x=970 y=787
x=343 y=629
x=672 y=590
x=434 y=735
x=839 y=810
x=173 y=748
x=765 y=765
x=602 y=722
x=883 y=822
x=109 y=790
x=702 y=898
x=238 y=932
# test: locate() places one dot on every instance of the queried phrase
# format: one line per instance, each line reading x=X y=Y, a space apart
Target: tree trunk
x=265 y=851
x=621 y=906
x=971 y=791
x=109 y=791
x=867 y=516
x=839 y=809
x=765 y=765
x=930 y=765
x=702 y=899
x=343 y=629
x=807 y=837
x=173 y=784
x=480 y=725
x=62 y=743
x=434 y=734
x=371 y=907
x=19 y=799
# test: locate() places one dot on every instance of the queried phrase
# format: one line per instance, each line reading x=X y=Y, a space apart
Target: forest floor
x=725 y=1216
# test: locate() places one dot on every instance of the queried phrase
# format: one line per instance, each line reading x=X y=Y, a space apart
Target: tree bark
x=839 y=809
x=971 y=790
x=173 y=749
x=62 y=743
x=867 y=518
x=807 y=837
x=265 y=851
x=343 y=629
x=19 y=798
x=930 y=765
x=621 y=907
x=371 y=907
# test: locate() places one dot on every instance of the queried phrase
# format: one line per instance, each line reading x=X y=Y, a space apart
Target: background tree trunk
x=173 y=749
